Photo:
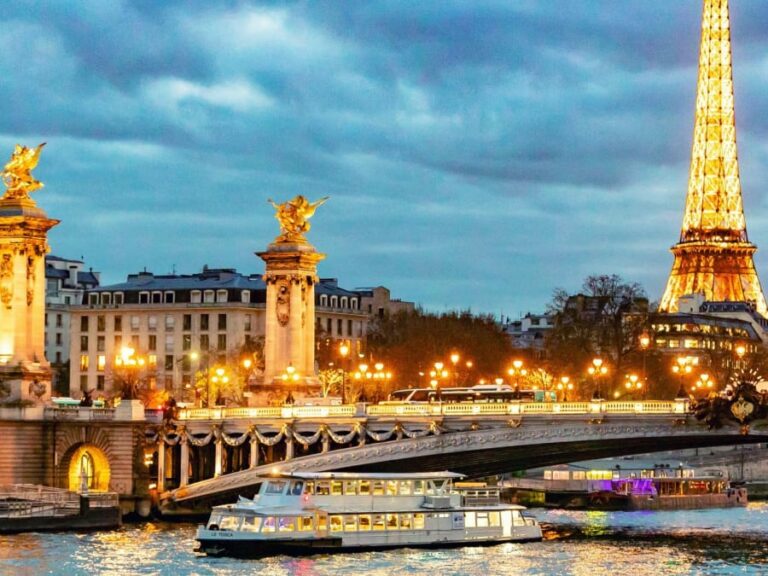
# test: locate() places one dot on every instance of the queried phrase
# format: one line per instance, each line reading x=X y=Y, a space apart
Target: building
x=530 y=332
x=183 y=323
x=65 y=283
x=377 y=302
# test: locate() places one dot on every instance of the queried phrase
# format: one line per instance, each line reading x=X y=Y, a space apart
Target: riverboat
x=319 y=512
x=626 y=484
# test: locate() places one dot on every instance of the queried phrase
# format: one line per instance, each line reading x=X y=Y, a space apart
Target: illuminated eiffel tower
x=714 y=255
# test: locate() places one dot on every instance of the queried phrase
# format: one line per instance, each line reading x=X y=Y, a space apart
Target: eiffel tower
x=714 y=255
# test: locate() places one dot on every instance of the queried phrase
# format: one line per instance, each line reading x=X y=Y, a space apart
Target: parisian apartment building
x=181 y=322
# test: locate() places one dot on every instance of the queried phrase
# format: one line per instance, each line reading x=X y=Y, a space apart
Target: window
x=152 y=322
x=93 y=299
x=305 y=524
x=378 y=522
x=221 y=344
x=100 y=343
x=339 y=327
x=334 y=301
x=135 y=341
x=83 y=362
x=58 y=321
x=169 y=297
x=170 y=322
x=152 y=342
x=152 y=360
x=106 y=298
x=83 y=382
x=203 y=321
x=349 y=327
x=58 y=357
x=186 y=322
x=168 y=362
x=195 y=297
x=118 y=323
x=364 y=522
x=391 y=487
x=205 y=342
x=247 y=322
x=418 y=521
x=100 y=382
x=354 y=303
x=135 y=322
x=143 y=297
x=222 y=321
x=323 y=300
x=59 y=341
x=365 y=487
x=336 y=525
x=405 y=521
x=336 y=486
x=287 y=524
x=245 y=296
x=350 y=523
x=209 y=296
x=84 y=343
x=392 y=522
x=344 y=301
x=221 y=296
x=118 y=342
x=251 y=524
x=118 y=298
x=84 y=324
x=378 y=488
x=329 y=326
x=157 y=297
x=101 y=362
x=169 y=342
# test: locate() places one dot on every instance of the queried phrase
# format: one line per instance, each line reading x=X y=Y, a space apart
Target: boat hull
x=263 y=548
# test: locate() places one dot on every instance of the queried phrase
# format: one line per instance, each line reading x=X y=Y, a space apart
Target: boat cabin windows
x=350 y=523
x=275 y=487
x=287 y=524
x=350 y=487
x=365 y=487
x=391 y=487
x=323 y=488
x=297 y=488
x=336 y=487
x=364 y=522
x=305 y=524
x=230 y=523
x=418 y=487
x=378 y=488
x=483 y=519
x=418 y=521
x=517 y=518
x=251 y=524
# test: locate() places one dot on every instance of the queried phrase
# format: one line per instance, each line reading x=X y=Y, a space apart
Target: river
x=728 y=541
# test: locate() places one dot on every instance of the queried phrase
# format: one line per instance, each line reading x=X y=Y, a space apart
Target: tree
x=604 y=319
x=410 y=342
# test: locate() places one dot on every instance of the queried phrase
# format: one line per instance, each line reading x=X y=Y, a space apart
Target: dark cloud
x=478 y=154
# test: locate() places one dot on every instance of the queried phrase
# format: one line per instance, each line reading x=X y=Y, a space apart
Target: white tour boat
x=317 y=512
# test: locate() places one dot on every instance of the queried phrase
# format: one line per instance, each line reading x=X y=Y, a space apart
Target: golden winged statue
x=17 y=174
x=293 y=216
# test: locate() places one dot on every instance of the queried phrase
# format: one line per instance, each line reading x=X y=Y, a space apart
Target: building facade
x=65 y=283
x=182 y=324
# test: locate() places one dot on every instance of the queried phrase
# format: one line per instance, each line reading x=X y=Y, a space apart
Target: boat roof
x=368 y=475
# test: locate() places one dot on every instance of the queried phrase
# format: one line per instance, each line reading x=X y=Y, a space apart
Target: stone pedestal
x=289 y=343
x=24 y=372
x=129 y=410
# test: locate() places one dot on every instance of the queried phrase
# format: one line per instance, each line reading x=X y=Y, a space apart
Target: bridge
x=243 y=445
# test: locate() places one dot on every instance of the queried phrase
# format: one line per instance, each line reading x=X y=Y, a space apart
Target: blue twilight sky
x=477 y=154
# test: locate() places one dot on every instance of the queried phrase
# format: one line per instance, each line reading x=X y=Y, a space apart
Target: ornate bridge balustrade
x=206 y=443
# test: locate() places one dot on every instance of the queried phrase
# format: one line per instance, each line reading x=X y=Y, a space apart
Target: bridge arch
x=86 y=459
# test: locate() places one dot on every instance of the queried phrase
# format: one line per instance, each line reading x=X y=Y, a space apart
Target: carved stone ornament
x=6 y=280
x=37 y=388
x=30 y=280
x=283 y=302
x=742 y=409
x=5 y=390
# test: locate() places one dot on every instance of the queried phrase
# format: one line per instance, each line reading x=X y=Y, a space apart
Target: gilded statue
x=293 y=216
x=17 y=174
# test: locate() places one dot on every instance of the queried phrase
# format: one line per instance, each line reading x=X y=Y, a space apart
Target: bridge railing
x=679 y=406
x=79 y=413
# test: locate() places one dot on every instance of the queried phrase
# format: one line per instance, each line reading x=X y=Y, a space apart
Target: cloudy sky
x=478 y=154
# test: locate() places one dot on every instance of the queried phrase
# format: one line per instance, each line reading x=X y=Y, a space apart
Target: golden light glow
x=343 y=350
x=714 y=256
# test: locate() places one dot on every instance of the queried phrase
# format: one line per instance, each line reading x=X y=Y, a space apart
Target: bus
x=481 y=393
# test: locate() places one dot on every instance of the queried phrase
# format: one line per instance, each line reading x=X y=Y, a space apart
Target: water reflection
x=579 y=543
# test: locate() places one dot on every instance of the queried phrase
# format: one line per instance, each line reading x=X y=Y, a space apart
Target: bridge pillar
x=363 y=436
x=289 y=448
x=161 y=466
x=254 y=460
x=184 y=479
x=219 y=457
x=326 y=442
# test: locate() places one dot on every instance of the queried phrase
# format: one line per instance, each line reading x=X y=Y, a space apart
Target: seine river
x=733 y=541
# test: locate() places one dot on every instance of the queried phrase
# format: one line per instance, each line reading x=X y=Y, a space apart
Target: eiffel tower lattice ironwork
x=714 y=256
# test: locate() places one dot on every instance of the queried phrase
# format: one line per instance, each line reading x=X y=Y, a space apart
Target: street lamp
x=597 y=370
x=633 y=383
x=683 y=366
x=455 y=360
x=343 y=352
x=515 y=372
x=219 y=377
x=645 y=342
x=563 y=386
x=439 y=373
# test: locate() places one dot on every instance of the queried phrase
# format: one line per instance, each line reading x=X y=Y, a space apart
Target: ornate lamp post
x=633 y=383
x=683 y=366
x=218 y=378
x=645 y=342
x=597 y=370
x=439 y=373
x=515 y=372
x=343 y=352
x=455 y=360
x=563 y=386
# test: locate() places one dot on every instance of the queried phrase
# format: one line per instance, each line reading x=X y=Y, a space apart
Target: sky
x=478 y=154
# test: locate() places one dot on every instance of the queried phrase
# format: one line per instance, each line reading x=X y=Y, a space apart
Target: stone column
x=309 y=315
x=160 y=466
x=289 y=448
x=271 y=370
x=254 y=452
x=219 y=457
x=297 y=329
x=184 y=472
x=326 y=442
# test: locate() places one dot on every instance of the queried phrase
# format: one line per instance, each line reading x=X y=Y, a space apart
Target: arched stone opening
x=88 y=468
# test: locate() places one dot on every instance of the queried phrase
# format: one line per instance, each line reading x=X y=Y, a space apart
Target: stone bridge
x=477 y=440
